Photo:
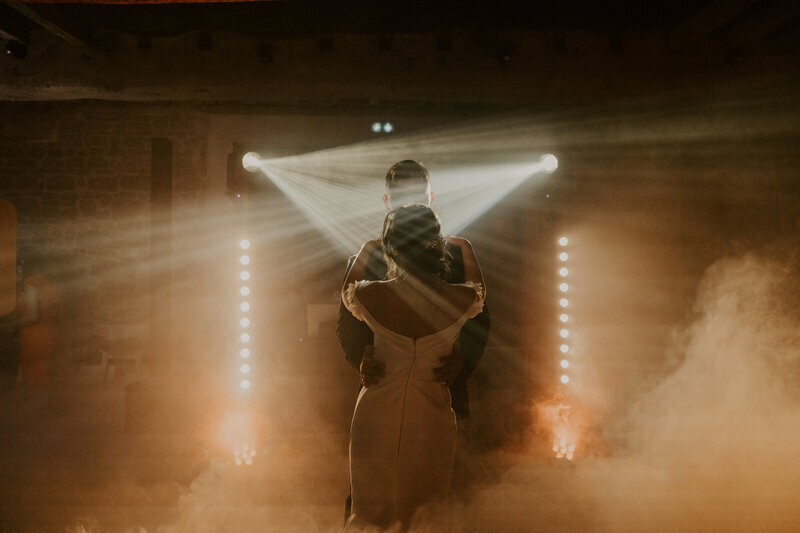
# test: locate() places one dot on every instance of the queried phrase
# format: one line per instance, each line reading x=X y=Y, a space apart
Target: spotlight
x=17 y=49
x=251 y=162
x=244 y=322
x=244 y=291
x=245 y=259
x=244 y=244
x=244 y=306
x=563 y=287
x=562 y=271
x=564 y=348
x=244 y=337
x=549 y=162
x=563 y=302
x=564 y=378
x=388 y=127
x=244 y=353
x=376 y=127
x=563 y=241
x=564 y=317
x=244 y=275
x=563 y=256
x=564 y=333
x=564 y=363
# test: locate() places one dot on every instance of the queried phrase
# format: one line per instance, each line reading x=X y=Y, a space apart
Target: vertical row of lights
x=564 y=447
x=244 y=316
x=563 y=305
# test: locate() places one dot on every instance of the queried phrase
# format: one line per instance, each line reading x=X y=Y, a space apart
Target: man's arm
x=353 y=334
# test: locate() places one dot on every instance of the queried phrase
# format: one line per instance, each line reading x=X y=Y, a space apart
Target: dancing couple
x=404 y=289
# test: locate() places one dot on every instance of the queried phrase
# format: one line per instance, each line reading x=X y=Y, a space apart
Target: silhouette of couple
x=413 y=323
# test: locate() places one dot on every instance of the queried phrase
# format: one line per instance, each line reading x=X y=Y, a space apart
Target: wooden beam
x=704 y=22
x=763 y=22
x=44 y=23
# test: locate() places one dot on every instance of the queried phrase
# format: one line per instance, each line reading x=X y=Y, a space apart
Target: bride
x=403 y=433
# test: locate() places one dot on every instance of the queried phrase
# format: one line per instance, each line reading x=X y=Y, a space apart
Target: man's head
x=407 y=182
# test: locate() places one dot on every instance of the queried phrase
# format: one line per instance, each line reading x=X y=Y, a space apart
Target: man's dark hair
x=405 y=172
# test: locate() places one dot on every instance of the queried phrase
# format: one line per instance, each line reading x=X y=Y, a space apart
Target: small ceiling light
x=388 y=127
x=376 y=127
x=17 y=49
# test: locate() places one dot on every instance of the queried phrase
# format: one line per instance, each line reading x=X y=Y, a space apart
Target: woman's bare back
x=416 y=310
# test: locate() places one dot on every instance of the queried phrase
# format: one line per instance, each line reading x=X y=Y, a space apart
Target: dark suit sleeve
x=353 y=334
x=473 y=339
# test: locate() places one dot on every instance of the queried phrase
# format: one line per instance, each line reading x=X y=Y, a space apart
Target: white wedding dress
x=403 y=433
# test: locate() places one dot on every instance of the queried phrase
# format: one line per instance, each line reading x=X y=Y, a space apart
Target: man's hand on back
x=451 y=365
x=371 y=371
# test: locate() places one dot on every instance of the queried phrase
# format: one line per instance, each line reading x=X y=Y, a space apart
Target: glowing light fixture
x=564 y=378
x=549 y=163
x=244 y=244
x=564 y=348
x=244 y=291
x=564 y=317
x=563 y=241
x=244 y=369
x=244 y=275
x=244 y=353
x=388 y=127
x=244 y=322
x=564 y=333
x=564 y=363
x=244 y=306
x=245 y=260
x=563 y=256
x=244 y=337
x=563 y=302
x=563 y=272
x=563 y=287
x=251 y=162
x=376 y=127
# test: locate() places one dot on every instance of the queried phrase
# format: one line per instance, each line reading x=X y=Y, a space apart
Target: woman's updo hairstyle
x=412 y=240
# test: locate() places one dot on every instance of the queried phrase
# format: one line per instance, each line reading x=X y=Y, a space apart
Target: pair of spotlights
x=386 y=127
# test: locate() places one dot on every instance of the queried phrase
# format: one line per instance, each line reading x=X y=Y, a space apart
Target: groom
x=408 y=182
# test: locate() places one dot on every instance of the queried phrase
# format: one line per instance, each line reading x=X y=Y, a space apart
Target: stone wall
x=79 y=175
